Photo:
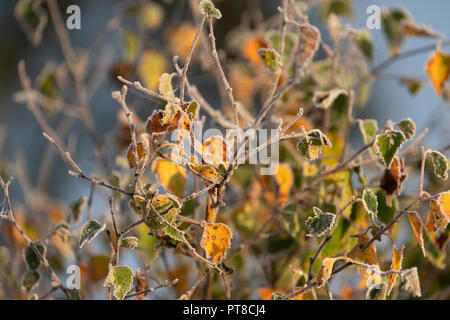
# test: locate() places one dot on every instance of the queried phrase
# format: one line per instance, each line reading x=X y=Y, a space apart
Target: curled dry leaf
x=393 y=178
x=438 y=69
x=367 y=256
x=325 y=271
x=397 y=258
x=216 y=240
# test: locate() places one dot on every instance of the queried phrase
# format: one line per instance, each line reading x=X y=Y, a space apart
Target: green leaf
x=121 y=277
x=369 y=129
x=90 y=230
x=207 y=8
x=440 y=164
x=364 y=42
x=311 y=145
x=388 y=144
x=165 y=85
x=30 y=279
x=370 y=203
x=408 y=127
x=337 y=7
x=77 y=208
x=320 y=223
x=30 y=257
x=325 y=100
x=270 y=59
x=129 y=242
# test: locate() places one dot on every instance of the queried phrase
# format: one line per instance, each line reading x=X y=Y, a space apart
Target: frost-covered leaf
x=171 y=232
x=440 y=164
x=151 y=66
x=140 y=151
x=438 y=69
x=311 y=144
x=30 y=279
x=168 y=207
x=270 y=59
x=325 y=99
x=388 y=144
x=90 y=230
x=413 y=29
x=285 y=180
x=417 y=226
x=216 y=240
x=392 y=24
x=214 y=151
x=414 y=85
x=129 y=242
x=32 y=18
x=408 y=127
x=121 y=277
x=369 y=129
x=437 y=218
x=370 y=203
x=325 y=271
x=397 y=258
x=310 y=39
x=410 y=282
x=320 y=223
x=150 y=15
x=171 y=175
x=31 y=258
x=207 y=8
x=77 y=208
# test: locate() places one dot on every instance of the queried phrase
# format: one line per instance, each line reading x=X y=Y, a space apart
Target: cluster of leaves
x=325 y=208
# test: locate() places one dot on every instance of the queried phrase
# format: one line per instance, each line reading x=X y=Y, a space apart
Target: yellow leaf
x=397 y=258
x=216 y=240
x=325 y=271
x=180 y=39
x=369 y=255
x=130 y=154
x=250 y=49
x=151 y=66
x=171 y=176
x=438 y=69
x=205 y=170
x=436 y=218
x=214 y=151
x=417 y=226
x=444 y=199
x=285 y=180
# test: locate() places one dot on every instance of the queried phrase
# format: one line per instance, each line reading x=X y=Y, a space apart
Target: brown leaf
x=369 y=255
x=436 y=218
x=130 y=154
x=325 y=271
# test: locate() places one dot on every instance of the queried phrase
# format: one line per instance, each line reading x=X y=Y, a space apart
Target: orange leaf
x=436 y=218
x=417 y=226
x=438 y=69
x=216 y=240
x=130 y=154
